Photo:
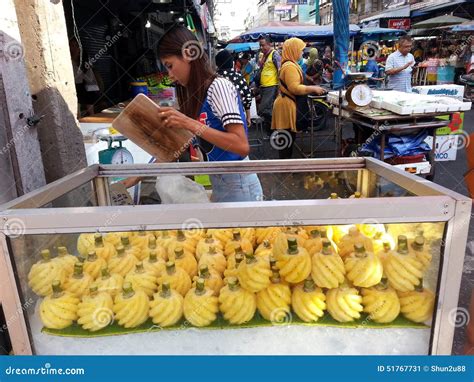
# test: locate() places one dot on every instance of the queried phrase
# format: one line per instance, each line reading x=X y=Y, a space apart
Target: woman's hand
x=173 y=119
x=131 y=182
x=318 y=90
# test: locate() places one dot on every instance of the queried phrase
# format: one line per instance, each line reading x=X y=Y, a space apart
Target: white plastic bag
x=177 y=189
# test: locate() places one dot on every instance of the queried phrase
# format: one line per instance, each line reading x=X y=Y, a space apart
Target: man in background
x=267 y=81
x=399 y=66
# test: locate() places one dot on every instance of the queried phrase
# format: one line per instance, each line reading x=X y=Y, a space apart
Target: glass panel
x=275 y=186
x=333 y=289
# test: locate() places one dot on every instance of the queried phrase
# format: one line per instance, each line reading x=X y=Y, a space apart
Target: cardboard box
x=446 y=147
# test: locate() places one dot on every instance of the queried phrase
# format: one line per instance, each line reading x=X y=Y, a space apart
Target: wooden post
x=21 y=168
x=48 y=62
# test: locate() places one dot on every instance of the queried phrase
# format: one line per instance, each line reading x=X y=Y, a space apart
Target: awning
x=440 y=21
x=427 y=8
x=243 y=47
x=464 y=27
x=394 y=13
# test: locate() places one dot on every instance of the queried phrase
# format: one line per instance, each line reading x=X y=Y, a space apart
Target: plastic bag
x=177 y=189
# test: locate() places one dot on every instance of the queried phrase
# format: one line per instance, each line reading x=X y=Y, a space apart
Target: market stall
x=339 y=217
x=396 y=115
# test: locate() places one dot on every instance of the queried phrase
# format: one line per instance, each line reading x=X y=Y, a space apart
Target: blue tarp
x=281 y=33
x=379 y=31
x=242 y=47
x=403 y=145
x=465 y=27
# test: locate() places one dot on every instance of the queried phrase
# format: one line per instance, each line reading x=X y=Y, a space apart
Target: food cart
x=31 y=225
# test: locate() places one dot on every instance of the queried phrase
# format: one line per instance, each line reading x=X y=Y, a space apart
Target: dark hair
x=266 y=38
x=246 y=56
x=224 y=60
x=405 y=38
x=180 y=41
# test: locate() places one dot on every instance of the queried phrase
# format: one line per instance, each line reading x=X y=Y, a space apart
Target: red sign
x=399 y=24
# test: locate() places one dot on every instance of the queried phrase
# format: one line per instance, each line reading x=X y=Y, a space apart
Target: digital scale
x=115 y=154
x=359 y=93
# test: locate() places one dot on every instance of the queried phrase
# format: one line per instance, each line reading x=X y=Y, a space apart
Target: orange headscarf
x=292 y=49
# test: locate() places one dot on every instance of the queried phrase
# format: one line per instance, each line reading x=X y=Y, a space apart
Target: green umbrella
x=440 y=21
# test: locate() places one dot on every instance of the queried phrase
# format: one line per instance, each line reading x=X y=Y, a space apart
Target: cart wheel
x=431 y=176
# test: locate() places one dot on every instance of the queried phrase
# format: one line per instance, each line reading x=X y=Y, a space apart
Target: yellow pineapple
x=59 y=309
x=417 y=305
x=123 y=262
x=403 y=270
x=233 y=264
x=264 y=250
x=249 y=234
x=131 y=307
x=280 y=245
x=110 y=283
x=66 y=260
x=328 y=269
x=380 y=240
x=363 y=268
x=134 y=250
x=95 y=310
x=152 y=247
x=215 y=259
x=295 y=264
x=102 y=249
x=85 y=243
x=381 y=303
x=344 y=304
x=185 y=260
x=44 y=272
x=315 y=242
x=421 y=252
x=220 y=234
x=254 y=273
x=308 y=301
x=211 y=278
x=94 y=264
x=274 y=302
x=177 y=277
x=154 y=264
x=166 y=308
x=200 y=305
x=238 y=242
x=164 y=239
x=188 y=245
x=142 y=280
x=266 y=234
x=203 y=246
x=353 y=237
x=142 y=241
x=79 y=282
x=237 y=304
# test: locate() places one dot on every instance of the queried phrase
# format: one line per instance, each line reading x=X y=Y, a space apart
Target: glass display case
x=341 y=256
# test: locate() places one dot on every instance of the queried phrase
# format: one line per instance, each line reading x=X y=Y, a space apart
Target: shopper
x=399 y=66
x=225 y=64
x=267 y=81
x=211 y=109
x=315 y=67
x=328 y=64
x=285 y=107
x=246 y=68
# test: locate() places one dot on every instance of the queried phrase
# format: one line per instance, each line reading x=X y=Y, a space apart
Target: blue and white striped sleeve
x=223 y=99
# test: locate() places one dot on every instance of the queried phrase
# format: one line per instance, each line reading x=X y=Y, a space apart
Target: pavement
x=448 y=174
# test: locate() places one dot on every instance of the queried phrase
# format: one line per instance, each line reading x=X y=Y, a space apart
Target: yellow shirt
x=269 y=75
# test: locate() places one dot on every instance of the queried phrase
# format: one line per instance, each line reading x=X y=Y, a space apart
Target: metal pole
x=341 y=39
x=316 y=12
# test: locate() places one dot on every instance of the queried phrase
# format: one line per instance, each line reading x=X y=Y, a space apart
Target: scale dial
x=121 y=156
x=359 y=95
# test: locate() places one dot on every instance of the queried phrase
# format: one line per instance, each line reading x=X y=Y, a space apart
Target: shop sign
x=404 y=24
x=297 y=2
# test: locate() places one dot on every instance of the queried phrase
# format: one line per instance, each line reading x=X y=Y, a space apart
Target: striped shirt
x=241 y=84
x=224 y=100
x=402 y=80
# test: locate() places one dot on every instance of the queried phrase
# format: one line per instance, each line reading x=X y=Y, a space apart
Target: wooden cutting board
x=139 y=122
